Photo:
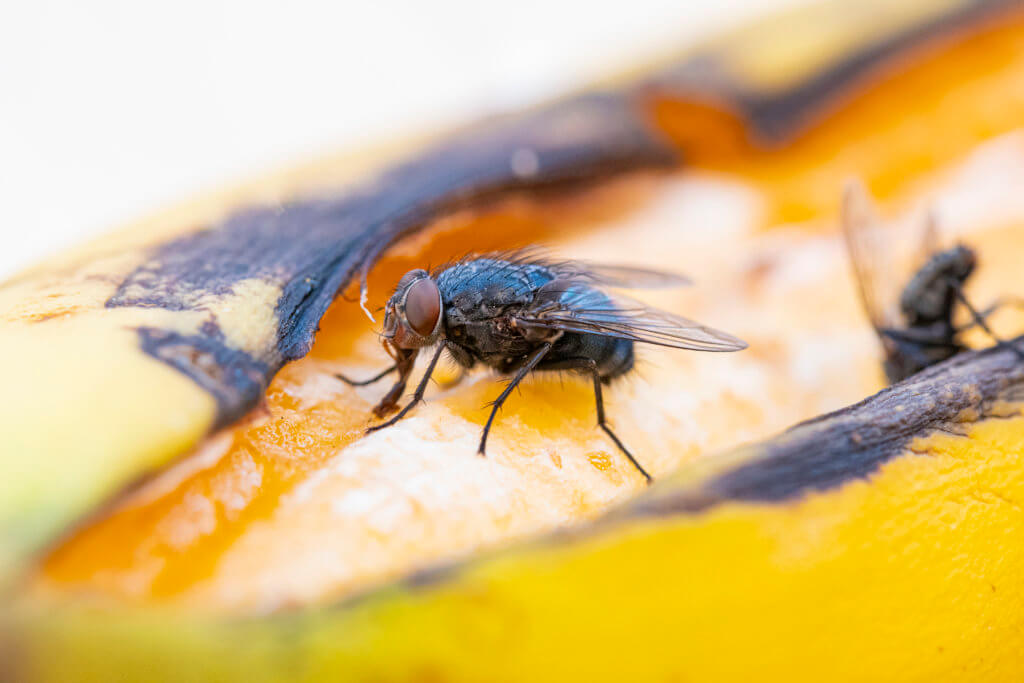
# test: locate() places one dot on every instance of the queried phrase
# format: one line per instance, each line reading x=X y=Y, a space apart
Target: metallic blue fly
x=518 y=312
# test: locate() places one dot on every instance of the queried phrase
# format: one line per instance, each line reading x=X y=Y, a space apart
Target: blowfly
x=916 y=325
x=519 y=313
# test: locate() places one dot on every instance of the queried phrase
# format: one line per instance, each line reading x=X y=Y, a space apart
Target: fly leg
x=979 y=319
x=589 y=365
x=913 y=345
x=985 y=313
x=530 y=364
x=396 y=392
x=602 y=422
x=367 y=382
x=404 y=361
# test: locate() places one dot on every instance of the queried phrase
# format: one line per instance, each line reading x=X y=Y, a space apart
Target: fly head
x=412 y=316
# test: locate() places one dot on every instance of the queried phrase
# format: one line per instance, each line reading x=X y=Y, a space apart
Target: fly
x=921 y=331
x=519 y=313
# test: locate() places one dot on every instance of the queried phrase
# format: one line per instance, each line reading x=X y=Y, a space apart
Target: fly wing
x=931 y=238
x=572 y=305
x=601 y=274
x=870 y=258
x=613 y=275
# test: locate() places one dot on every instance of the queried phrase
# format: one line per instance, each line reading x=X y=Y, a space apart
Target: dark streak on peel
x=313 y=248
x=852 y=443
x=818 y=455
x=232 y=377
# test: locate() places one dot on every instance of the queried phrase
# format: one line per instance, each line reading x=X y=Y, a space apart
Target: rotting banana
x=872 y=544
x=125 y=353
x=880 y=542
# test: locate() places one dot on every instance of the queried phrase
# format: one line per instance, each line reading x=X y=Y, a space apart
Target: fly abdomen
x=613 y=357
x=618 y=358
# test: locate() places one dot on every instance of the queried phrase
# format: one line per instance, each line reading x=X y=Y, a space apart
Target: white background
x=110 y=109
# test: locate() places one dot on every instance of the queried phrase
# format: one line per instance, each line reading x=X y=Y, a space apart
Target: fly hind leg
x=603 y=422
x=589 y=365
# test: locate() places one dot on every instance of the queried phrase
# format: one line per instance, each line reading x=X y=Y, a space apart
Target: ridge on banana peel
x=714 y=574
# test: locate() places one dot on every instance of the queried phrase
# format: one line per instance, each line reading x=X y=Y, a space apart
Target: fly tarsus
x=404 y=362
x=587 y=365
x=367 y=382
x=602 y=421
x=390 y=401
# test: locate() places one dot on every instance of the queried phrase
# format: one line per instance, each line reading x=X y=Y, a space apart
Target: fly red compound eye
x=423 y=306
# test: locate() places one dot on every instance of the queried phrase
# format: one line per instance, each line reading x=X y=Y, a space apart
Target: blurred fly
x=921 y=331
x=518 y=313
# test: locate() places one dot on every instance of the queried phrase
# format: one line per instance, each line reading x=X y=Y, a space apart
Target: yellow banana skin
x=880 y=542
x=124 y=354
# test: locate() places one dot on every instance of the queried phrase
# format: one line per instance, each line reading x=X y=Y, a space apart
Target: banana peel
x=130 y=352
x=127 y=352
x=879 y=542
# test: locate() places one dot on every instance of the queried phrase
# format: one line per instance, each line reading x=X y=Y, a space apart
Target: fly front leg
x=915 y=344
x=396 y=393
x=404 y=362
x=524 y=370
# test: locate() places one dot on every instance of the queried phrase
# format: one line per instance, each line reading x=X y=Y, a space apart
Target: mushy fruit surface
x=295 y=504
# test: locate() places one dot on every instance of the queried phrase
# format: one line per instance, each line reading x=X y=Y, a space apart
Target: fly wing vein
x=573 y=306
